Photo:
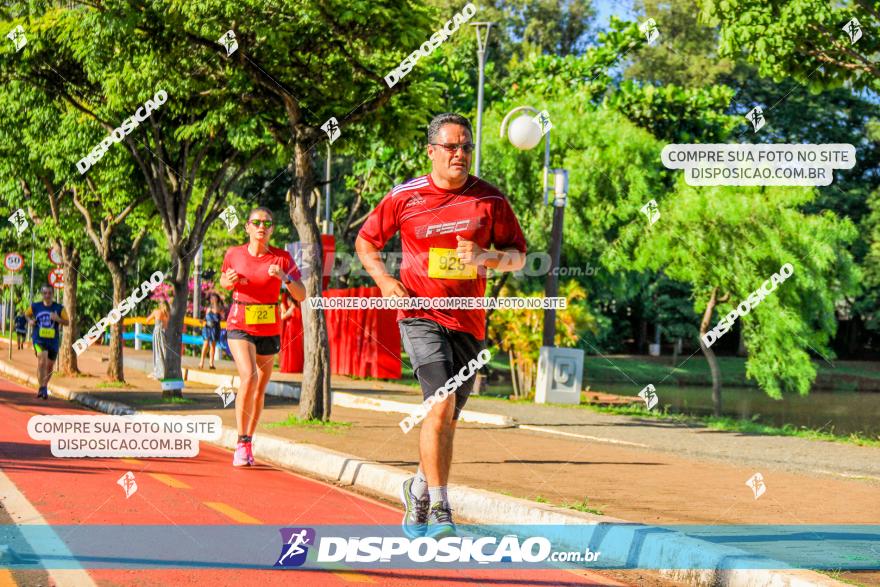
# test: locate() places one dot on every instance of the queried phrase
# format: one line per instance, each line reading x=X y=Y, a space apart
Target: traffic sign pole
x=12 y=317
x=13 y=263
x=31 y=288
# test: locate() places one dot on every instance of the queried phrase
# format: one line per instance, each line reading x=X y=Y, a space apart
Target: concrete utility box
x=560 y=372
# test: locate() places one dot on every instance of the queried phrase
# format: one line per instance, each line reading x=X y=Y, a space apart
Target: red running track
x=207 y=490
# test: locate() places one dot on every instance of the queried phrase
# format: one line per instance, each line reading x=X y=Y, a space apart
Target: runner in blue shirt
x=45 y=318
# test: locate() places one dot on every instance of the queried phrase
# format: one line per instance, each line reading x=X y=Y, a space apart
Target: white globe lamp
x=524 y=133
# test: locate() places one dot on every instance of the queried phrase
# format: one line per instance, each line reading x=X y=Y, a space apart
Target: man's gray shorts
x=427 y=342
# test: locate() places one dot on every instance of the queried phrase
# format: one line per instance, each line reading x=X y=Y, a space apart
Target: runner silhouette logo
x=294 y=547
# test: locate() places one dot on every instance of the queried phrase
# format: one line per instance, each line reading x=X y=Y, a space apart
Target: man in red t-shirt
x=452 y=227
x=255 y=272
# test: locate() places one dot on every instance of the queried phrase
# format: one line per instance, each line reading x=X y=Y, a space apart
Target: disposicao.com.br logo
x=399 y=551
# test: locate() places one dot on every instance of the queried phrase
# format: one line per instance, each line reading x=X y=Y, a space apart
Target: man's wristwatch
x=286 y=279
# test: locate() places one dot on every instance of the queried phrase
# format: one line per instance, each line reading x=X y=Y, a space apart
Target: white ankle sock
x=420 y=485
x=438 y=494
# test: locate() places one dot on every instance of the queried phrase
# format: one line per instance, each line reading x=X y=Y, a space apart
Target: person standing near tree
x=159 y=318
x=453 y=226
x=20 y=329
x=211 y=330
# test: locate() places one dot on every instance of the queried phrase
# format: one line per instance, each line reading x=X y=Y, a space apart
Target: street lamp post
x=551 y=284
x=524 y=133
x=328 y=225
x=481 y=60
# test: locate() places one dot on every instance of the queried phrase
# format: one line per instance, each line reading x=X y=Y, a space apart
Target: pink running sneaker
x=240 y=458
x=250 y=453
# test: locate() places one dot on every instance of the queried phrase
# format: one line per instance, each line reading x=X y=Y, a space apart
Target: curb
x=359 y=402
x=339 y=398
x=274 y=388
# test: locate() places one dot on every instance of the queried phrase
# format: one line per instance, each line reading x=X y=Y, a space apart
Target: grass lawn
x=162 y=400
x=695 y=371
x=726 y=423
x=294 y=421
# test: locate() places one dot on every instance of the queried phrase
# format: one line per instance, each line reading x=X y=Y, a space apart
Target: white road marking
x=586 y=436
x=23 y=513
x=847 y=475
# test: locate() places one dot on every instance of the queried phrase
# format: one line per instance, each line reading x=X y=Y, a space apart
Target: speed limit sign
x=13 y=262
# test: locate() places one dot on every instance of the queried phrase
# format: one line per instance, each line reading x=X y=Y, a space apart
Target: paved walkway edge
x=360 y=402
x=339 y=398
x=485 y=507
x=276 y=388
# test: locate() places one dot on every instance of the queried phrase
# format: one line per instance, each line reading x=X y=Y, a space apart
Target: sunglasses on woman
x=266 y=223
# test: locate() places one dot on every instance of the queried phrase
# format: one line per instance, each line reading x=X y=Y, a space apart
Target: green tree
x=357 y=44
x=31 y=181
x=116 y=222
x=725 y=242
x=189 y=152
x=804 y=41
x=686 y=53
x=106 y=211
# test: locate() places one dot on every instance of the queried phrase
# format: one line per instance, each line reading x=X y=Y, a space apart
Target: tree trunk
x=675 y=351
x=174 y=332
x=710 y=355
x=716 y=378
x=529 y=369
x=315 y=400
x=115 y=370
x=642 y=339
x=853 y=345
x=741 y=344
x=67 y=363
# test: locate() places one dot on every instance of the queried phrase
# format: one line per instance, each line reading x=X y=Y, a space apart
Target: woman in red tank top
x=255 y=272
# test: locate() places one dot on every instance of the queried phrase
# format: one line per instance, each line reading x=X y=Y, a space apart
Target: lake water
x=840 y=412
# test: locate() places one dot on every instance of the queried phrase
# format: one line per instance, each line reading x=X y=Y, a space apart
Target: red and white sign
x=13 y=262
x=56 y=278
x=55 y=256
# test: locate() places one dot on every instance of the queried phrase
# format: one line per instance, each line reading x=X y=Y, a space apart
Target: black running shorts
x=265 y=345
x=427 y=342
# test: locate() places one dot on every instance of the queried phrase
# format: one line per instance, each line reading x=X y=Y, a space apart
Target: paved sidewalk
x=788 y=453
x=93 y=365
